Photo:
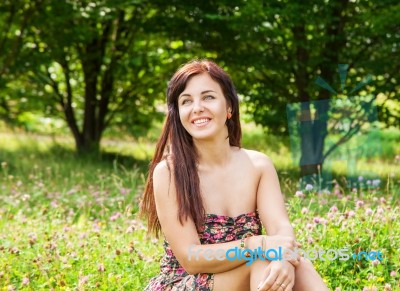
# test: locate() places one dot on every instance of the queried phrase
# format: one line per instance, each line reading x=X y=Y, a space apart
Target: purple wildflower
x=25 y=281
x=304 y=210
x=115 y=216
x=333 y=209
x=359 y=203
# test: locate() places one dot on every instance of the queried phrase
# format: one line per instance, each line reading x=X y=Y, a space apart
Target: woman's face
x=203 y=108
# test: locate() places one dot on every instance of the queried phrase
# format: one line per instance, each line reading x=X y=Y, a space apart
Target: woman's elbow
x=190 y=261
x=191 y=268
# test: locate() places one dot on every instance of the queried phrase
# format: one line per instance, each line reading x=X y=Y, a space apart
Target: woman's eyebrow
x=203 y=92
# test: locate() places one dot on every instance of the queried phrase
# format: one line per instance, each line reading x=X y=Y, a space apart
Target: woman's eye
x=185 y=102
x=208 y=97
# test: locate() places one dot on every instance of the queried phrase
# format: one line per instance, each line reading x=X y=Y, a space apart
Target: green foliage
x=284 y=47
x=104 y=64
x=95 y=64
x=16 y=24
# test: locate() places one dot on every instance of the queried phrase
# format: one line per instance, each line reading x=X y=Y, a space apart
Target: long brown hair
x=183 y=156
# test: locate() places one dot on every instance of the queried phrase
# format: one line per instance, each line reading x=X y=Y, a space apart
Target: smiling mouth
x=202 y=121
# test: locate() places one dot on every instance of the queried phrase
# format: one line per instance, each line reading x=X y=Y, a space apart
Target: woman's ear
x=229 y=115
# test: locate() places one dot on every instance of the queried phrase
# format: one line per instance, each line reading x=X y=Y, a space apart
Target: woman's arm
x=270 y=201
x=183 y=239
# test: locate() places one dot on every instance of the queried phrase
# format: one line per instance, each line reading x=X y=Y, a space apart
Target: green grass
x=70 y=223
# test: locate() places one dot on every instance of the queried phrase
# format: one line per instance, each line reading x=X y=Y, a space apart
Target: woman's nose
x=198 y=106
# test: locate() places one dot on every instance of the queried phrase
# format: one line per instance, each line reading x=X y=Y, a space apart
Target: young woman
x=210 y=197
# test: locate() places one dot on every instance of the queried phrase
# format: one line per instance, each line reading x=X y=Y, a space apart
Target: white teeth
x=199 y=121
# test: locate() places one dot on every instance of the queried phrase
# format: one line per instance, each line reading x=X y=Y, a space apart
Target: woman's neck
x=213 y=153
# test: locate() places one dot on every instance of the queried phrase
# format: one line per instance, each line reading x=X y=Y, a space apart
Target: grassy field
x=70 y=223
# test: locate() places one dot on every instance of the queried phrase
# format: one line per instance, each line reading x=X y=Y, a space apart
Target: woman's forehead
x=200 y=84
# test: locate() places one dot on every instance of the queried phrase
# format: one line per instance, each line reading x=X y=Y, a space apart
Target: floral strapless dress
x=217 y=229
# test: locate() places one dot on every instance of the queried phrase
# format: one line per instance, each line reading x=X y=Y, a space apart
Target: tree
x=100 y=63
x=281 y=47
x=98 y=66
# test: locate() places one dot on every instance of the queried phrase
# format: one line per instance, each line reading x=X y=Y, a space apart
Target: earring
x=229 y=115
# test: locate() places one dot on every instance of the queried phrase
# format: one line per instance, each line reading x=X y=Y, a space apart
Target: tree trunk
x=87 y=140
x=314 y=129
x=87 y=146
x=92 y=59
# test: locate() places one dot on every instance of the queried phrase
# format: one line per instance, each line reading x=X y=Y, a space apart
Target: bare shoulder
x=260 y=160
x=162 y=168
x=162 y=176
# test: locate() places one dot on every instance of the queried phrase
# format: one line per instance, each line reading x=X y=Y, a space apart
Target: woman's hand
x=288 y=247
x=283 y=241
x=271 y=244
x=278 y=276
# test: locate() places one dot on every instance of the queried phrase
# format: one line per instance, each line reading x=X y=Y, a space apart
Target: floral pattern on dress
x=216 y=229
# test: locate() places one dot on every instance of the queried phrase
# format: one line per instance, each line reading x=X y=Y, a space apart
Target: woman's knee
x=235 y=279
x=307 y=278
x=306 y=263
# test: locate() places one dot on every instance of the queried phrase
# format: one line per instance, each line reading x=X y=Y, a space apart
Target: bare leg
x=307 y=278
x=246 y=278
x=235 y=279
x=243 y=278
